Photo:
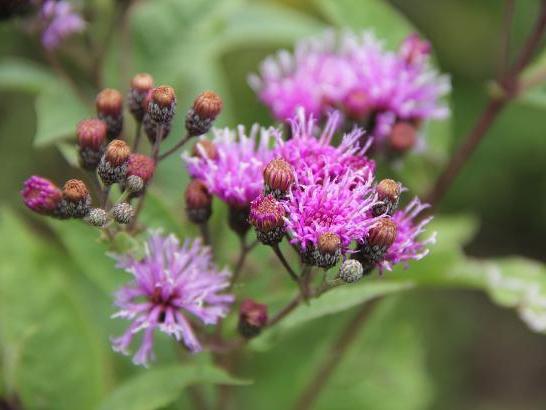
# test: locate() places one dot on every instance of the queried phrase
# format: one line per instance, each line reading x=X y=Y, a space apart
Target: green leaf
x=21 y=75
x=156 y=388
x=50 y=352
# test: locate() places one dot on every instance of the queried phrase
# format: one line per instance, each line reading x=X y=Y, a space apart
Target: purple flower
x=235 y=175
x=41 y=195
x=332 y=206
x=407 y=246
x=60 y=21
x=308 y=152
x=170 y=283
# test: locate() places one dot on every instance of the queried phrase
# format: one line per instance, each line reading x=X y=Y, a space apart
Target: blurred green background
x=426 y=348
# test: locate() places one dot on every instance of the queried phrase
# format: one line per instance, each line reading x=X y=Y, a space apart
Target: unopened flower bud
x=351 y=271
x=267 y=217
x=198 y=202
x=123 y=213
x=76 y=201
x=162 y=104
x=97 y=217
x=326 y=253
x=238 y=219
x=109 y=103
x=388 y=194
x=140 y=169
x=113 y=164
x=41 y=195
x=91 y=134
x=205 y=149
x=278 y=177
x=252 y=318
x=380 y=237
x=403 y=137
x=205 y=109
x=141 y=84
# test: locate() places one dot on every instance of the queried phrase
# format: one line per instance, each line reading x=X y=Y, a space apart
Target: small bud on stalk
x=403 y=137
x=140 y=169
x=205 y=149
x=278 y=177
x=162 y=104
x=123 y=213
x=252 y=318
x=198 y=202
x=91 y=134
x=42 y=196
x=97 y=217
x=206 y=107
x=267 y=217
x=326 y=253
x=76 y=201
x=141 y=84
x=388 y=194
x=380 y=237
x=109 y=105
x=351 y=271
x=113 y=164
x=238 y=219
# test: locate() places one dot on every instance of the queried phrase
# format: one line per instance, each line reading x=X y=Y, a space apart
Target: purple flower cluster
x=170 y=283
x=358 y=76
x=59 y=21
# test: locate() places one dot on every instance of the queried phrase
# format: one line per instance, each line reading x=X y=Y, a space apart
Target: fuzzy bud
x=97 y=217
x=380 y=237
x=327 y=251
x=113 y=164
x=403 y=137
x=109 y=103
x=252 y=318
x=162 y=104
x=388 y=193
x=351 y=271
x=41 y=195
x=91 y=134
x=123 y=213
x=198 y=202
x=205 y=149
x=141 y=84
x=206 y=107
x=76 y=199
x=140 y=169
x=278 y=177
x=267 y=216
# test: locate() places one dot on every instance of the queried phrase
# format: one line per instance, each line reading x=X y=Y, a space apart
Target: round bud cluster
x=198 y=202
x=140 y=170
x=267 y=217
x=206 y=107
x=278 y=178
x=109 y=103
x=205 y=149
x=41 y=195
x=113 y=164
x=252 y=318
x=97 y=217
x=351 y=271
x=123 y=213
x=91 y=135
x=380 y=237
x=141 y=84
x=162 y=104
x=76 y=202
x=388 y=194
x=402 y=137
x=326 y=253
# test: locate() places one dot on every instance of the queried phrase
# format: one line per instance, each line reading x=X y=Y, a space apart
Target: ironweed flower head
x=41 y=195
x=170 y=284
x=235 y=174
x=59 y=21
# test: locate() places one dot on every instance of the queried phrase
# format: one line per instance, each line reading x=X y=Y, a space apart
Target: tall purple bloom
x=170 y=283
x=235 y=174
x=59 y=21
x=407 y=245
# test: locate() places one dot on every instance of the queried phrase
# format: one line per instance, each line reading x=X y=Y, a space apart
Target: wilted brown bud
x=382 y=234
x=109 y=103
x=113 y=164
x=278 y=177
x=141 y=84
x=326 y=253
x=206 y=107
x=76 y=199
x=91 y=135
x=388 y=193
x=162 y=104
x=117 y=152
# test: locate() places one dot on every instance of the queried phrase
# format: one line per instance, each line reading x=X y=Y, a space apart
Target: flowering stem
x=245 y=249
x=310 y=394
x=509 y=84
x=281 y=257
x=180 y=143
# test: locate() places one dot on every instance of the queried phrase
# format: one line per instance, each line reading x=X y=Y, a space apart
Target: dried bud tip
x=351 y=271
x=208 y=105
x=91 y=133
x=252 y=318
x=74 y=190
x=141 y=166
x=142 y=82
x=117 y=152
x=382 y=234
x=123 y=213
x=278 y=177
x=164 y=96
x=109 y=102
x=329 y=243
x=205 y=149
x=388 y=189
x=403 y=137
x=162 y=105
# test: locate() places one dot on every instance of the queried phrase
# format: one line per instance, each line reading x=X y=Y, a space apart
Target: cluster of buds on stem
x=109 y=103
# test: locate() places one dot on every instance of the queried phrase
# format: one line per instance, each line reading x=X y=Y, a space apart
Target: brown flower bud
x=382 y=235
x=141 y=84
x=162 y=104
x=252 y=318
x=326 y=253
x=206 y=107
x=76 y=199
x=91 y=135
x=109 y=103
x=75 y=190
x=198 y=202
x=205 y=149
x=113 y=164
x=403 y=137
x=117 y=152
x=388 y=193
x=329 y=243
x=278 y=177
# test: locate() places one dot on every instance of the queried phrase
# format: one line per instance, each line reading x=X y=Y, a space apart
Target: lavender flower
x=170 y=282
x=407 y=246
x=41 y=195
x=235 y=174
x=60 y=21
